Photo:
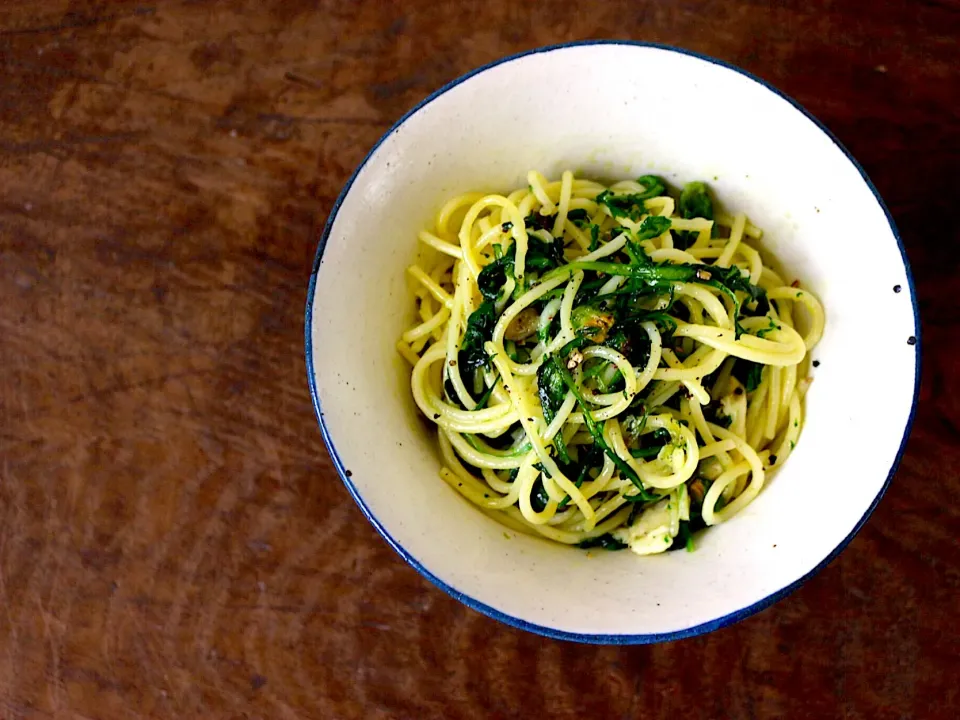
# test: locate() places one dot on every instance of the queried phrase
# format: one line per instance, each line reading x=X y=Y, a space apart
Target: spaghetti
x=606 y=366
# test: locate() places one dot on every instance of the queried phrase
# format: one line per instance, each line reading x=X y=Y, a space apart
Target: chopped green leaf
x=653 y=226
x=630 y=205
x=538 y=496
x=479 y=330
x=451 y=392
x=595 y=430
x=723 y=421
x=749 y=373
x=589 y=458
x=695 y=201
x=552 y=391
x=594 y=237
x=493 y=276
x=607 y=542
x=653 y=186
x=541 y=256
x=485 y=398
x=536 y=221
x=771 y=326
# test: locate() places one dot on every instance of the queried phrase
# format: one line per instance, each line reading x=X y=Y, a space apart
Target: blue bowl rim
x=598 y=638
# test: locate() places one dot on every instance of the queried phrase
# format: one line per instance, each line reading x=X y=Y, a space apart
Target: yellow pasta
x=606 y=366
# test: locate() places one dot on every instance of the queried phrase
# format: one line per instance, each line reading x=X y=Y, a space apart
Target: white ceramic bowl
x=617 y=110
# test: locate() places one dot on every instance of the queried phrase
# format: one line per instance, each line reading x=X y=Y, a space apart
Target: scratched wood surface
x=173 y=540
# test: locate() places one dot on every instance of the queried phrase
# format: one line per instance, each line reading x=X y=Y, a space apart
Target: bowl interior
x=617 y=111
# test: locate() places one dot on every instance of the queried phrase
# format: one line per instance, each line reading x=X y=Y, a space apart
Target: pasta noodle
x=606 y=366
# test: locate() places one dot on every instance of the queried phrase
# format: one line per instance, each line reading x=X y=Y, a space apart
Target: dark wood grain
x=173 y=540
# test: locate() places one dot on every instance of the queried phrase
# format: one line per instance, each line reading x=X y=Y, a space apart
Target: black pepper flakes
x=911 y=340
x=773 y=459
x=348 y=473
x=816 y=363
x=897 y=288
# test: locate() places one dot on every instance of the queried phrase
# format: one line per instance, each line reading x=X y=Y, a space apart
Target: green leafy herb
x=724 y=421
x=485 y=398
x=591 y=456
x=541 y=256
x=578 y=216
x=552 y=391
x=760 y=308
x=653 y=185
x=622 y=206
x=536 y=221
x=697 y=489
x=538 y=496
x=607 y=542
x=548 y=330
x=595 y=430
x=695 y=201
x=749 y=373
x=660 y=277
x=771 y=326
x=650 y=444
x=653 y=226
x=479 y=330
x=684 y=538
x=451 y=392
x=493 y=276
x=594 y=237
x=607 y=383
x=630 y=339
x=632 y=205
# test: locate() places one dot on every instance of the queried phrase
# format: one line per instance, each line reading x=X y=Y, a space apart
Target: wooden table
x=173 y=540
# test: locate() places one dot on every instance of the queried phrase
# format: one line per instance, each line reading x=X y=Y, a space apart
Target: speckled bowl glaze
x=617 y=110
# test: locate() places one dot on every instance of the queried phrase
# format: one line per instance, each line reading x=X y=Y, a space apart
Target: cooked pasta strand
x=597 y=362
